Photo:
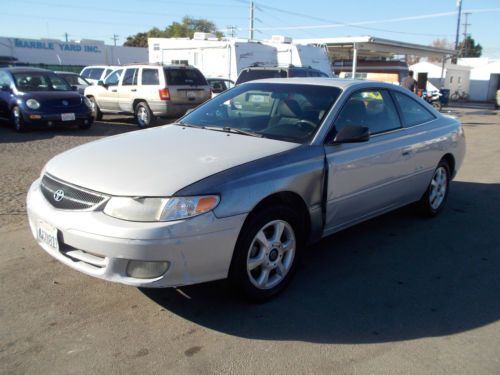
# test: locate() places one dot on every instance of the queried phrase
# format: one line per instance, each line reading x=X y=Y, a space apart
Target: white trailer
x=300 y=54
x=214 y=58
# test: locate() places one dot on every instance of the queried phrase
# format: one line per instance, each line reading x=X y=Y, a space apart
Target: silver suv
x=148 y=91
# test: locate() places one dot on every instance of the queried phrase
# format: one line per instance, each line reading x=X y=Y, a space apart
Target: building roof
x=368 y=46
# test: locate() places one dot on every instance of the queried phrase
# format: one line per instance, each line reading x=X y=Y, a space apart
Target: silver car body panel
x=339 y=185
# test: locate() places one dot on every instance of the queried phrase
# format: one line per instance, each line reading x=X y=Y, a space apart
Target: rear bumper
x=171 y=109
x=197 y=250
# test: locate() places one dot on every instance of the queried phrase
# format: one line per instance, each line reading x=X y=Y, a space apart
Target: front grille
x=69 y=197
x=68 y=103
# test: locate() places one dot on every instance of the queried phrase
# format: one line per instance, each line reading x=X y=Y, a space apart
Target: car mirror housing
x=6 y=88
x=352 y=134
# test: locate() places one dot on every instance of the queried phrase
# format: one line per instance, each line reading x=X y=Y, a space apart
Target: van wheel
x=266 y=253
x=96 y=111
x=143 y=115
x=16 y=118
x=436 y=196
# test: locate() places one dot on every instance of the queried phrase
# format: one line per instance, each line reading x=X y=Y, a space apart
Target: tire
x=85 y=126
x=261 y=267
x=436 y=196
x=17 y=120
x=454 y=96
x=96 y=111
x=143 y=115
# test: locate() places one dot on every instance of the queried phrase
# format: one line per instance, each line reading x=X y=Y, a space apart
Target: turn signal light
x=164 y=94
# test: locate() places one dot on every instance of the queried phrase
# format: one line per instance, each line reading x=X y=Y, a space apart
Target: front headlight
x=159 y=209
x=87 y=102
x=32 y=104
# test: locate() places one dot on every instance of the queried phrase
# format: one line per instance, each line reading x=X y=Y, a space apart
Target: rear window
x=150 y=77
x=298 y=73
x=95 y=73
x=184 y=77
x=252 y=75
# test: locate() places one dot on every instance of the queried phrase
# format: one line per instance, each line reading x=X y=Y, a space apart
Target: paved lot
x=398 y=294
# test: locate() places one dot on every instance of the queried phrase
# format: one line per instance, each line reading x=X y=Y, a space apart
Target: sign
x=57 y=46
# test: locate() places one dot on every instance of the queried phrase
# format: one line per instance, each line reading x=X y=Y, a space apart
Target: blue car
x=31 y=97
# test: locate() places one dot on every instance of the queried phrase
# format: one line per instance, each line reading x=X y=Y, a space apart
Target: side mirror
x=352 y=134
x=100 y=83
x=6 y=88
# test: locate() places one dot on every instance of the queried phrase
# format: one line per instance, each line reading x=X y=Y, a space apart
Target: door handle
x=113 y=90
x=407 y=152
x=133 y=90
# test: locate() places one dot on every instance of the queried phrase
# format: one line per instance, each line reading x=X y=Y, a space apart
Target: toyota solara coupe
x=241 y=185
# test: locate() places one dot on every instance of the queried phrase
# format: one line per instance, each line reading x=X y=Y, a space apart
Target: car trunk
x=187 y=86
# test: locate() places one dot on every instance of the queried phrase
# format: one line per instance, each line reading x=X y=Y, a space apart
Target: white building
x=455 y=77
x=484 y=77
x=73 y=53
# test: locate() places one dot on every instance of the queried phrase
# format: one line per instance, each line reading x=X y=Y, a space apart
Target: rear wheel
x=436 y=196
x=96 y=111
x=266 y=253
x=16 y=118
x=143 y=115
x=437 y=104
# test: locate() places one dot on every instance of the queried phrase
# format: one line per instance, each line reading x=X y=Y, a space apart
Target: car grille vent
x=68 y=197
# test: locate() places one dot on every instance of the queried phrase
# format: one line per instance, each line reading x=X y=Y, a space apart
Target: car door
x=5 y=94
x=127 y=90
x=366 y=178
x=108 y=97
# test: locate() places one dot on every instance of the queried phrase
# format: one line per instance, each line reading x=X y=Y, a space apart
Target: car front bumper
x=36 y=118
x=197 y=250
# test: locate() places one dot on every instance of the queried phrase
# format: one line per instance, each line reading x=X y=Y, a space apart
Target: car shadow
x=396 y=277
x=107 y=127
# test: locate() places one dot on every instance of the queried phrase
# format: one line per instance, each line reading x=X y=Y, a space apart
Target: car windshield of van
x=288 y=112
x=252 y=75
x=40 y=81
x=185 y=77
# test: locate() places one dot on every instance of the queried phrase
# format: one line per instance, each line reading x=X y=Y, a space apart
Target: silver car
x=238 y=187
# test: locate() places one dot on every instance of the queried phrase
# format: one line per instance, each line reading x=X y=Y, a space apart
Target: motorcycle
x=433 y=98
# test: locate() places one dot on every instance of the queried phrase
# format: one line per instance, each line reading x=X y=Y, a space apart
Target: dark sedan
x=32 y=97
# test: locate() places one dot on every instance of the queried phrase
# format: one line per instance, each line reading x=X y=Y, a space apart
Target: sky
x=414 y=21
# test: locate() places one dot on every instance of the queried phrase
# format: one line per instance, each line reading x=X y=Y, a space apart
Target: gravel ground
x=397 y=294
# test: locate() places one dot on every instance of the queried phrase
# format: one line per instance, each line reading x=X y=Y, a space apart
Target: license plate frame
x=68 y=116
x=47 y=234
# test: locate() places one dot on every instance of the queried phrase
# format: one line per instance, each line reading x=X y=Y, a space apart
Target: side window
x=95 y=73
x=371 y=108
x=4 y=79
x=85 y=73
x=150 y=77
x=413 y=112
x=130 y=77
x=113 y=78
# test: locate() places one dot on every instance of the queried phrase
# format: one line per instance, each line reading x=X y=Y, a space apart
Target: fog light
x=146 y=270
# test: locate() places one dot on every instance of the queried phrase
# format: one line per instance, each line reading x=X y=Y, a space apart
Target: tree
x=469 y=48
x=440 y=43
x=185 y=29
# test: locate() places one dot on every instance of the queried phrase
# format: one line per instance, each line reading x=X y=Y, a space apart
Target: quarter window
x=371 y=108
x=4 y=79
x=413 y=112
x=130 y=77
x=150 y=77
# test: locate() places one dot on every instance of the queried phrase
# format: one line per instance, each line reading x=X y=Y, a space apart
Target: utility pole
x=465 y=46
x=251 y=19
x=231 y=30
x=66 y=36
x=115 y=38
x=459 y=5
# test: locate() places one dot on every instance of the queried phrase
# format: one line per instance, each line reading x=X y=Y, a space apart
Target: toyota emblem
x=65 y=103
x=59 y=195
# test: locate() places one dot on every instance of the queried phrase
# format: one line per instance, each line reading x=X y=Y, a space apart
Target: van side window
x=130 y=77
x=150 y=77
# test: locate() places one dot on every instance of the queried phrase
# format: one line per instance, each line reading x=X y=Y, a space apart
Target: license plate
x=191 y=94
x=68 y=117
x=47 y=234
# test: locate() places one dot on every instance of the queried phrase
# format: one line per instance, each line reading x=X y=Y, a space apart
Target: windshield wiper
x=241 y=131
x=180 y=123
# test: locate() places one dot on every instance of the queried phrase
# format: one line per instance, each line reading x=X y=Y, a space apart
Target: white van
x=96 y=73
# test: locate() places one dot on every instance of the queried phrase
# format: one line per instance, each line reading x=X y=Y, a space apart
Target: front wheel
x=143 y=115
x=266 y=253
x=436 y=196
x=16 y=118
x=96 y=111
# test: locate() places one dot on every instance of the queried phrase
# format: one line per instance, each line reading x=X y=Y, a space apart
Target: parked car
x=239 y=186
x=219 y=85
x=148 y=91
x=96 y=73
x=32 y=97
x=74 y=80
x=260 y=72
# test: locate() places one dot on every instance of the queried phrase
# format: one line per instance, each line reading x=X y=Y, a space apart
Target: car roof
x=323 y=81
x=290 y=67
x=25 y=69
x=63 y=72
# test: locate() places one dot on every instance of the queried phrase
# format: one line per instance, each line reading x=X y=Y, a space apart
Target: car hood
x=51 y=95
x=158 y=161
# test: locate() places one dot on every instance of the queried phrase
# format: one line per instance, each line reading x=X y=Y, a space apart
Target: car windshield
x=288 y=112
x=40 y=81
x=252 y=75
